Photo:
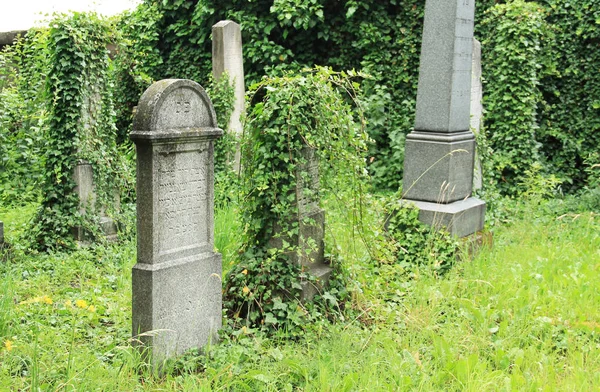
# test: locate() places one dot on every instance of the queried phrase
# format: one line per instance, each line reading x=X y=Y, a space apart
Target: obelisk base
x=460 y=218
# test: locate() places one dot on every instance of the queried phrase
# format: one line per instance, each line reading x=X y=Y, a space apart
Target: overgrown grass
x=522 y=315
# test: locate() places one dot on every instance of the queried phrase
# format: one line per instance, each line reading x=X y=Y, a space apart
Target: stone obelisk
x=439 y=154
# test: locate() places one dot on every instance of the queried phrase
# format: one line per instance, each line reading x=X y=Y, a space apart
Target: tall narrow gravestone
x=177 y=295
x=439 y=154
x=227 y=57
x=476 y=108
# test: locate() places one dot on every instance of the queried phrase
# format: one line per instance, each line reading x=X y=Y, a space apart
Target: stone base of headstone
x=438 y=161
x=460 y=218
x=312 y=256
x=177 y=305
x=311 y=248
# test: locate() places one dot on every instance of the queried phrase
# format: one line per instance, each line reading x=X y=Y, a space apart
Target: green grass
x=522 y=315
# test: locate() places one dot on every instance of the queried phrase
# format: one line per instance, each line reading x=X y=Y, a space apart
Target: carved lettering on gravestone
x=182 y=195
x=307 y=184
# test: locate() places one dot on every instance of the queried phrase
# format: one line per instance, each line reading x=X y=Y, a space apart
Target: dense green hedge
x=22 y=118
x=556 y=111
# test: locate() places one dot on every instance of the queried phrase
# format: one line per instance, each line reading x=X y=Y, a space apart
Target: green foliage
x=535 y=112
x=296 y=114
x=383 y=39
x=570 y=119
x=413 y=244
x=221 y=93
x=80 y=129
x=23 y=116
x=513 y=66
x=521 y=315
x=137 y=63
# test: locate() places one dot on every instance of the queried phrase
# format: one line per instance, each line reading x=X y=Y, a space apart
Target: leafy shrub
x=23 y=117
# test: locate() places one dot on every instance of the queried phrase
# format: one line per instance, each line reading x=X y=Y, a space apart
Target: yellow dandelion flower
x=68 y=304
x=47 y=300
x=92 y=308
x=80 y=303
x=246 y=290
x=245 y=272
x=8 y=345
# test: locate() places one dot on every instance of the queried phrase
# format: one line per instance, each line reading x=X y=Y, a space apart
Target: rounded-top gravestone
x=177 y=296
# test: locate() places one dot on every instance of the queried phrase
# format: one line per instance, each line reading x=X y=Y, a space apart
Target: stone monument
x=440 y=152
x=83 y=175
x=476 y=108
x=177 y=294
x=227 y=57
x=311 y=226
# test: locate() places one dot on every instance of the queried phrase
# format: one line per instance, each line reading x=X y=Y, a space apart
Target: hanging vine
x=291 y=113
x=80 y=128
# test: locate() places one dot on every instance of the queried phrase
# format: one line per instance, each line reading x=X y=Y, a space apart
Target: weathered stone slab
x=444 y=90
x=311 y=226
x=227 y=57
x=177 y=295
x=83 y=175
x=438 y=167
x=476 y=108
x=460 y=218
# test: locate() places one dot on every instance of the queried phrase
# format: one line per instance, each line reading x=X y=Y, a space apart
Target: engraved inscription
x=182 y=107
x=182 y=198
x=307 y=194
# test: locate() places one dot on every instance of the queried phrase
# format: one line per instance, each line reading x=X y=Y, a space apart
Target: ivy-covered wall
x=559 y=108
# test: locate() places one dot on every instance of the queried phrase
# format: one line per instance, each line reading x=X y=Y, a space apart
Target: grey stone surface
x=9 y=37
x=311 y=226
x=460 y=218
x=177 y=297
x=438 y=167
x=476 y=108
x=444 y=89
x=83 y=175
x=440 y=152
x=227 y=57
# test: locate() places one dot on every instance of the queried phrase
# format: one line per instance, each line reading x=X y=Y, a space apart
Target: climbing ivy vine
x=291 y=113
x=81 y=128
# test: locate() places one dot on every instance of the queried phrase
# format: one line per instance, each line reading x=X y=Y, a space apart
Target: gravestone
x=439 y=153
x=311 y=226
x=476 y=108
x=177 y=295
x=227 y=57
x=83 y=175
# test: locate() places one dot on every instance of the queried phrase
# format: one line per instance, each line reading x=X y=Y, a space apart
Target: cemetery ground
x=521 y=315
